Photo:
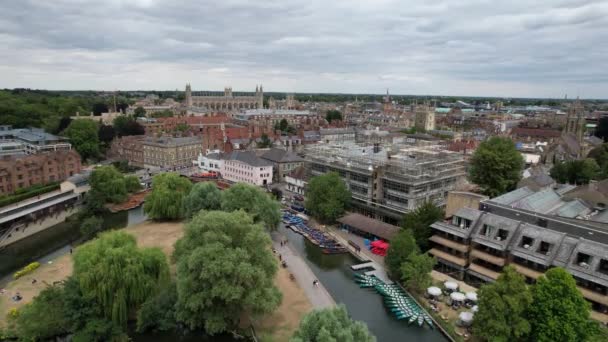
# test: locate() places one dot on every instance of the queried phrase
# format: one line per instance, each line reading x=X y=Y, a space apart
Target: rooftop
x=378 y=228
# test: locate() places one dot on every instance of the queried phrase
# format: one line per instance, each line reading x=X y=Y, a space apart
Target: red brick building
x=18 y=172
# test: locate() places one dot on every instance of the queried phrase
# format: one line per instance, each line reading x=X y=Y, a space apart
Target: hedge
x=27 y=269
x=23 y=194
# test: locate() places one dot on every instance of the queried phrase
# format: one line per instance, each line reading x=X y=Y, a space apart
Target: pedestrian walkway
x=317 y=295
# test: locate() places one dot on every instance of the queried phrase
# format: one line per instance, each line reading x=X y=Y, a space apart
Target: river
x=363 y=304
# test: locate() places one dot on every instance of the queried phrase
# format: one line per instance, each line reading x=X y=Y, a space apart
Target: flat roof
x=369 y=225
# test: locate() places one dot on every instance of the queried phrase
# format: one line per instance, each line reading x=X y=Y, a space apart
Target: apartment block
x=389 y=180
x=532 y=231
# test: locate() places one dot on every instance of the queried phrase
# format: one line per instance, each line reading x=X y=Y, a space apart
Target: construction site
x=389 y=180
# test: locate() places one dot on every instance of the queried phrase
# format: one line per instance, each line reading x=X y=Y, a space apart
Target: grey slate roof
x=468 y=213
x=247 y=157
x=278 y=155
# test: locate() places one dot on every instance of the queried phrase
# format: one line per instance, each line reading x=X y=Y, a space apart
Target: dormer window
x=487 y=230
x=526 y=242
x=603 y=266
x=461 y=222
x=583 y=260
x=502 y=235
x=544 y=248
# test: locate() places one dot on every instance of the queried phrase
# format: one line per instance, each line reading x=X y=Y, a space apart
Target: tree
x=332 y=324
x=108 y=183
x=125 y=125
x=264 y=142
x=158 y=312
x=224 y=268
x=416 y=271
x=283 y=125
x=165 y=200
x=600 y=155
x=203 y=196
x=91 y=226
x=333 y=115
x=44 y=318
x=558 y=311
x=496 y=166
x=118 y=275
x=132 y=183
x=83 y=136
x=139 y=112
x=602 y=129
x=106 y=134
x=327 y=197
x=401 y=247
x=575 y=171
x=420 y=220
x=253 y=201
x=99 y=107
x=502 y=309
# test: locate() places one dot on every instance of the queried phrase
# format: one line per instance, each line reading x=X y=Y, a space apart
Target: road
x=317 y=295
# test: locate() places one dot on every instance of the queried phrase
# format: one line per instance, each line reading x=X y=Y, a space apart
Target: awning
x=434 y=291
x=451 y=285
x=457 y=296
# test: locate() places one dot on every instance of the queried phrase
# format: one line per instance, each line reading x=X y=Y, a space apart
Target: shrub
x=27 y=269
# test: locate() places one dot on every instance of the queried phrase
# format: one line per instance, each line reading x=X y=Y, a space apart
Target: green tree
x=165 y=200
x=327 y=197
x=224 y=268
x=203 y=196
x=332 y=324
x=575 y=171
x=109 y=184
x=333 y=115
x=106 y=134
x=118 y=275
x=602 y=129
x=496 y=166
x=158 y=312
x=125 y=125
x=44 y=318
x=132 y=183
x=420 y=220
x=83 y=135
x=253 y=201
x=558 y=311
x=502 y=309
x=399 y=250
x=91 y=226
x=416 y=271
x=283 y=125
x=265 y=141
x=600 y=155
x=139 y=112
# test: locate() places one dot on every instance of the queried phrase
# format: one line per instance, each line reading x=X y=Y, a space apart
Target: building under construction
x=389 y=180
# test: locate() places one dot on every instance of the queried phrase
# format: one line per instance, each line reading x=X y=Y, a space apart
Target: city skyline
x=447 y=48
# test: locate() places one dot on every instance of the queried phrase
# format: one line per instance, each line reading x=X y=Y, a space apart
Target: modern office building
x=533 y=231
x=387 y=181
x=15 y=141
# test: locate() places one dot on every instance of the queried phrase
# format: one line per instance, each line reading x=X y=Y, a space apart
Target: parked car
x=297 y=207
x=299 y=198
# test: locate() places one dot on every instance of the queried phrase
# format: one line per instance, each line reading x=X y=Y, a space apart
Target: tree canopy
x=559 y=312
x=420 y=220
x=139 y=112
x=327 y=197
x=43 y=318
x=253 y=201
x=109 y=184
x=575 y=171
x=165 y=202
x=333 y=115
x=264 y=142
x=600 y=155
x=83 y=135
x=118 y=275
x=331 y=324
x=401 y=247
x=106 y=134
x=602 y=129
x=416 y=271
x=202 y=196
x=224 y=268
x=496 y=166
x=502 y=309
x=91 y=226
x=127 y=125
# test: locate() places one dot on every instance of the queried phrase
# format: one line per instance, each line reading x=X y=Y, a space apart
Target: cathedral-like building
x=226 y=102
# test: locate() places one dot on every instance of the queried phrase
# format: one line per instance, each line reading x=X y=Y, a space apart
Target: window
x=526 y=242
x=544 y=248
x=603 y=266
x=461 y=222
x=487 y=230
x=583 y=260
x=502 y=235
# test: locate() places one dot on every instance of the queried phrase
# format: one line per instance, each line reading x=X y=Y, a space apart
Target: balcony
x=484 y=271
x=448 y=257
x=498 y=261
x=528 y=272
x=593 y=296
x=450 y=243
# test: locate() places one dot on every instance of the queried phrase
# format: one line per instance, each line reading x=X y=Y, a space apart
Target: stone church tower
x=259 y=94
x=575 y=121
x=188 y=95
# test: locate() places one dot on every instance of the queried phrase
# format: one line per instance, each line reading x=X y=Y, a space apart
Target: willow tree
x=109 y=184
x=165 y=200
x=224 y=268
x=203 y=196
x=118 y=275
x=332 y=324
x=255 y=202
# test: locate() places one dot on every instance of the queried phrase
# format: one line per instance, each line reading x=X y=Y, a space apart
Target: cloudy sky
x=544 y=48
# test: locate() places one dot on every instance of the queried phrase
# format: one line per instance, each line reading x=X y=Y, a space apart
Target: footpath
x=304 y=277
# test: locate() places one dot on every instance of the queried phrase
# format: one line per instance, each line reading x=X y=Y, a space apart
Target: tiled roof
x=247 y=157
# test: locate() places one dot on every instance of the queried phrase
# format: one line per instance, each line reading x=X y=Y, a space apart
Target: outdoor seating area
x=397 y=300
x=452 y=305
x=327 y=243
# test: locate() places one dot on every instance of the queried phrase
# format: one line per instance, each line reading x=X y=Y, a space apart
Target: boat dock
x=377 y=271
x=362 y=266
